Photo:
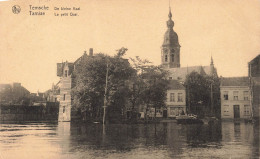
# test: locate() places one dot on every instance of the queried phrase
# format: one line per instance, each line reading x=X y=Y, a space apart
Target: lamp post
x=105 y=97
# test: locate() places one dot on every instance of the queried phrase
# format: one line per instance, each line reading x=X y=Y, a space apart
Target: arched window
x=66 y=73
x=166 y=58
x=172 y=57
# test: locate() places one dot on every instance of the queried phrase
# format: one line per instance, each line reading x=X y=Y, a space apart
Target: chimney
x=90 y=51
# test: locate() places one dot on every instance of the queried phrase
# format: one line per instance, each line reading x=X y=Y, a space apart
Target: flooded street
x=164 y=140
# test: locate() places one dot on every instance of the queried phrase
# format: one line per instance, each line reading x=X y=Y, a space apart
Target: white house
x=176 y=99
x=235 y=98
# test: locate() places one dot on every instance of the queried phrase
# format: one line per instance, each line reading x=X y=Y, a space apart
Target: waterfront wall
x=48 y=112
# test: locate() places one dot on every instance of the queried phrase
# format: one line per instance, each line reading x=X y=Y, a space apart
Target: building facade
x=254 y=75
x=176 y=99
x=235 y=98
x=65 y=92
x=65 y=72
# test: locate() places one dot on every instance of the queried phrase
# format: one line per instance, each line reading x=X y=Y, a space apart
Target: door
x=165 y=113
x=236 y=111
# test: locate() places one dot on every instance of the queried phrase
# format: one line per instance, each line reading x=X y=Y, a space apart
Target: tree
x=89 y=78
x=151 y=85
x=202 y=94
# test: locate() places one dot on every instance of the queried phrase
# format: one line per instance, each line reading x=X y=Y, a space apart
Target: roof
x=60 y=67
x=182 y=72
x=235 y=81
x=5 y=85
x=256 y=59
x=170 y=36
x=176 y=85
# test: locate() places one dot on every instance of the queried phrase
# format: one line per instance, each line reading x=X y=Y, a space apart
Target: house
x=66 y=83
x=53 y=94
x=176 y=99
x=235 y=98
x=254 y=75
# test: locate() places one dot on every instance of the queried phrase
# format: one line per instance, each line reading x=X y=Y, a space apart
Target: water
x=162 y=141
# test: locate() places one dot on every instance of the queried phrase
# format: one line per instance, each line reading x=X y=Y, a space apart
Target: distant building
x=13 y=93
x=53 y=95
x=181 y=73
x=176 y=99
x=254 y=75
x=235 y=98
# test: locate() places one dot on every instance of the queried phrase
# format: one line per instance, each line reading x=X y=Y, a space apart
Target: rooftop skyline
x=229 y=31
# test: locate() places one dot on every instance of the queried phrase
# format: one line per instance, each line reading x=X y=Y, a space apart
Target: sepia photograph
x=129 y=79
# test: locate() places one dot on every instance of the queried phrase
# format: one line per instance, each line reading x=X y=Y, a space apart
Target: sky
x=30 y=46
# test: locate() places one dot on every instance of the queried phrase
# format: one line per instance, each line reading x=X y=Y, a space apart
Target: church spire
x=170 y=23
x=211 y=62
x=170 y=50
x=170 y=13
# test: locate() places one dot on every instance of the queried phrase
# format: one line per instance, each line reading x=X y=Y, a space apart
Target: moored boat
x=188 y=119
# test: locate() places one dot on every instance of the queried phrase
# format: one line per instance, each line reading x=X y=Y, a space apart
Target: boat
x=188 y=119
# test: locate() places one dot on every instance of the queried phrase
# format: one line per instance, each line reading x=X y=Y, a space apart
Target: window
x=63 y=109
x=235 y=93
x=246 y=95
x=172 y=57
x=172 y=97
x=166 y=58
x=246 y=110
x=66 y=73
x=179 y=97
x=172 y=111
x=225 y=95
x=64 y=96
x=226 y=110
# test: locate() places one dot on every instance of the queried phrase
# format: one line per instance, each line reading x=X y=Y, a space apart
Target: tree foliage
x=90 y=79
x=134 y=86
x=151 y=85
x=201 y=89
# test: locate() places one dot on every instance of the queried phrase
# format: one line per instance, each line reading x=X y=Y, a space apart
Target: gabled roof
x=175 y=85
x=83 y=57
x=182 y=72
x=256 y=59
x=235 y=81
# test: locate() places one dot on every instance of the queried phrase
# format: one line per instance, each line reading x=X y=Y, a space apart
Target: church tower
x=170 y=49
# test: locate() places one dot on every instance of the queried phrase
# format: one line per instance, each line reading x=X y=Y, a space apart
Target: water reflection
x=164 y=140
